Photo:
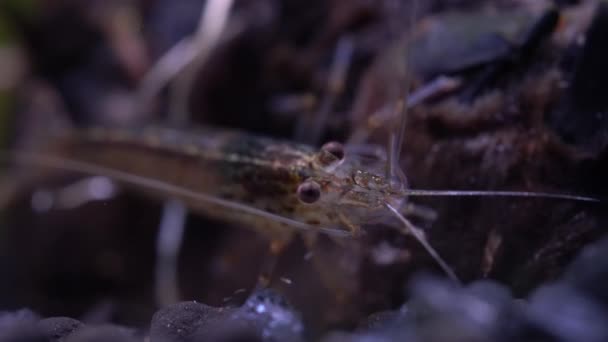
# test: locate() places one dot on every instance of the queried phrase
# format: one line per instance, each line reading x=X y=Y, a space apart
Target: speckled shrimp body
x=268 y=185
x=332 y=188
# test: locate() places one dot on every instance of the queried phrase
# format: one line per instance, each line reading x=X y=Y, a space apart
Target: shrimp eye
x=335 y=149
x=309 y=191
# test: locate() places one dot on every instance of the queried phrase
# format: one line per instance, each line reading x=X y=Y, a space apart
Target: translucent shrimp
x=275 y=187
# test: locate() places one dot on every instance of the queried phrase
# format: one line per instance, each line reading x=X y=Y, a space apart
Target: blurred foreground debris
x=574 y=308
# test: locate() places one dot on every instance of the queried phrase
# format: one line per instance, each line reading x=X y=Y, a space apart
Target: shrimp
x=266 y=184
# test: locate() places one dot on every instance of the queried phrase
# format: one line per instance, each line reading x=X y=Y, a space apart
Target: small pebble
x=56 y=329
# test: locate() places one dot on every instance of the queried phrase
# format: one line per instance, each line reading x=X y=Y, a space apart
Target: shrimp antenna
x=473 y=193
x=410 y=228
x=397 y=136
x=150 y=183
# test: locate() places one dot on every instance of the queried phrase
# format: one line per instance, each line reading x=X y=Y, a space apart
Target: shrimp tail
x=41 y=120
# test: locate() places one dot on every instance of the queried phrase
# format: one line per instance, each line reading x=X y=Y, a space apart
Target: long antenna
x=407 y=79
x=410 y=228
x=480 y=193
x=397 y=136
